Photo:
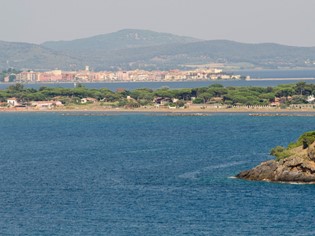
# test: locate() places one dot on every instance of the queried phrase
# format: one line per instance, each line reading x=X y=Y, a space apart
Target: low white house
x=12 y=102
x=83 y=100
x=310 y=99
x=86 y=100
x=46 y=104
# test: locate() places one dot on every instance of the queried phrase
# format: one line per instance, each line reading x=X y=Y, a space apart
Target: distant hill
x=266 y=55
x=32 y=56
x=123 y=39
x=170 y=56
x=144 y=49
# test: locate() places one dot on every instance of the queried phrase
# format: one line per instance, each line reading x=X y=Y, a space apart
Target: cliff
x=296 y=163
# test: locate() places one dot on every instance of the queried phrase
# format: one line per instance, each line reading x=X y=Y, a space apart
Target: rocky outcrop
x=299 y=167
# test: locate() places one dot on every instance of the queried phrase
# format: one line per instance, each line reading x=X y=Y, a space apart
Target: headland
x=293 y=164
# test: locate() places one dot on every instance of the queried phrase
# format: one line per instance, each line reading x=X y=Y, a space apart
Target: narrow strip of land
x=259 y=111
x=279 y=79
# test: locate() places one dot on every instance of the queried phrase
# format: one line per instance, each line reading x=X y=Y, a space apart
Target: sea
x=147 y=174
x=261 y=78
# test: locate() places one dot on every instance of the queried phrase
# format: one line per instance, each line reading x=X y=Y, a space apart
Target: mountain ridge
x=145 y=49
x=28 y=55
x=126 y=38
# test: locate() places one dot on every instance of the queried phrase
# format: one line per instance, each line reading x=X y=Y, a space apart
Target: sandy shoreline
x=163 y=110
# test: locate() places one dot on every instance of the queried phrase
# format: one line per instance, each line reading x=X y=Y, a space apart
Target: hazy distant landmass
x=144 y=49
x=119 y=40
x=26 y=55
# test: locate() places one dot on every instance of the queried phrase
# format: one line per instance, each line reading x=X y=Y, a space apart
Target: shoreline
x=196 y=110
x=279 y=79
x=161 y=81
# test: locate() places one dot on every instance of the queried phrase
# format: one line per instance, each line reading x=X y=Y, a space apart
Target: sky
x=289 y=22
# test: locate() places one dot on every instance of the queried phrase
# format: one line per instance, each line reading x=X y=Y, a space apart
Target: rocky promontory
x=294 y=164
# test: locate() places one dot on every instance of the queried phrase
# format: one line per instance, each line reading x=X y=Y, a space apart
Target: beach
x=192 y=109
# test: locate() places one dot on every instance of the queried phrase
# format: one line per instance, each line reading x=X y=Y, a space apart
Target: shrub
x=180 y=103
x=280 y=152
x=304 y=140
x=198 y=101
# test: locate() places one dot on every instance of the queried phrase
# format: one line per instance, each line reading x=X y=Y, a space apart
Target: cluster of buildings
x=120 y=76
x=14 y=102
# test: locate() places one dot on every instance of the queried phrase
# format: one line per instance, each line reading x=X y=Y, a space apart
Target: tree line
x=216 y=93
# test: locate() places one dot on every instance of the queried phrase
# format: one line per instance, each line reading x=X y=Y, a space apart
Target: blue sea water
x=147 y=174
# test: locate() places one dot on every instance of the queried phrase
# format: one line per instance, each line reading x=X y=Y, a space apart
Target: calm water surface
x=142 y=174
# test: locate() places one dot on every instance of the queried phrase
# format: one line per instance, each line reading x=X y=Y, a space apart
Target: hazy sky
x=288 y=22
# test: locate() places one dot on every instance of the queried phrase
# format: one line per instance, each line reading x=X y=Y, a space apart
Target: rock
x=299 y=167
x=311 y=152
x=264 y=172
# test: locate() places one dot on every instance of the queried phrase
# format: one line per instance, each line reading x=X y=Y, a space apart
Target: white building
x=12 y=102
x=310 y=99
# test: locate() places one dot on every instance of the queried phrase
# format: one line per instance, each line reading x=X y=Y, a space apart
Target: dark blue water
x=195 y=84
x=138 y=174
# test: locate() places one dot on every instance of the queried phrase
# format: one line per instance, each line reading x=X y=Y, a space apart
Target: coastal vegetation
x=280 y=152
x=303 y=141
x=216 y=94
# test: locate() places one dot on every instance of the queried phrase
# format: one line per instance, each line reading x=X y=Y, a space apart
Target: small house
x=90 y=100
x=12 y=102
x=310 y=99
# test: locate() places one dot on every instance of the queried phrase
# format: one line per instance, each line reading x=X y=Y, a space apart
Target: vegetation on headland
x=216 y=94
x=304 y=140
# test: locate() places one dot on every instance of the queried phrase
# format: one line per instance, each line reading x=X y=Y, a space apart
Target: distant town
x=87 y=76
